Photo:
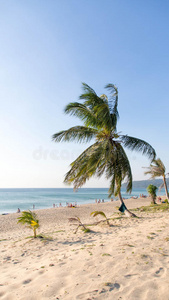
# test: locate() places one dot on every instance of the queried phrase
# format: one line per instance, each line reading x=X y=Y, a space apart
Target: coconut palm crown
x=157 y=169
x=106 y=155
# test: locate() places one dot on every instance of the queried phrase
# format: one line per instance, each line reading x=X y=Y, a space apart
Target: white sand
x=127 y=261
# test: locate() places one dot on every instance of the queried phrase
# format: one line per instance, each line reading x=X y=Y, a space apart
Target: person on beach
x=53 y=205
x=33 y=206
x=18 y=210
x=159 y=199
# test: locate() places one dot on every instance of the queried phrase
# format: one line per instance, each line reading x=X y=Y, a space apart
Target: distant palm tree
x=157 y=169
x=29 y=218
x=106 y=155
x=151 y=189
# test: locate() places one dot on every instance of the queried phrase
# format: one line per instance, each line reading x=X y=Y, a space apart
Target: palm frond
x=96 y=213
x=113 y=103
x=93 y=161
x=79 y=172
x=138 y=145
x=104 y=97
x=118 y=170
x=87 y=88
x=91 y=99
x=156 y=169
x=77 y=133
x=82 y=112
x=98 y=105
x=27 y=217
x=153 y=171
x=112 y=186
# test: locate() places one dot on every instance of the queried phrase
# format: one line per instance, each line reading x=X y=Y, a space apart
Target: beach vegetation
x=42 y=237
x=79 y=224
x=153 y=208
x=106 y=155
x=86 y=230
x=157 y=169
x=150 y=237
x=45 y=238
x=57 y=231
x=106 y=254
x=96 y=213
x=152 y=190
x=29 y=218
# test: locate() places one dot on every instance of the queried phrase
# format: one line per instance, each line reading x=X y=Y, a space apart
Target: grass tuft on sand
x=153 y=208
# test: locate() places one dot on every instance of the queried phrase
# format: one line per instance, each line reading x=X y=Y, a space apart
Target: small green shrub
x=86 y=230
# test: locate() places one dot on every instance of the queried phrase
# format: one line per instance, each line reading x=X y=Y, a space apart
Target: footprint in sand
x=26 y=281
x=112 y=286
x=159 y=272
x=87 y=295
x=108 y=288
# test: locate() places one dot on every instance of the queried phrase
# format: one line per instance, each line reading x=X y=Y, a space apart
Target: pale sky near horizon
x=48 y=48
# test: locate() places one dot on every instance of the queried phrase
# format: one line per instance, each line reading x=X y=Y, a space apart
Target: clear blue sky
x=47 y=49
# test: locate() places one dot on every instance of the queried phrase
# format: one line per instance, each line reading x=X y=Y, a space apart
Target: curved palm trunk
x=127 y=212
x=165 y=186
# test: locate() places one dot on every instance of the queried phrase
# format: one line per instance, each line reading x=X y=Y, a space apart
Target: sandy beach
x=128 y=260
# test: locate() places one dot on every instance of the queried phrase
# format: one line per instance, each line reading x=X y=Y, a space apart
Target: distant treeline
x=144 y=183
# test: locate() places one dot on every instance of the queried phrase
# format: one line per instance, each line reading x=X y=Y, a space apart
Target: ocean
x=12 y=199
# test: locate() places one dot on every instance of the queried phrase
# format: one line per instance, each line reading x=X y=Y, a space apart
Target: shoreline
x=11 y=201
x=79 y=205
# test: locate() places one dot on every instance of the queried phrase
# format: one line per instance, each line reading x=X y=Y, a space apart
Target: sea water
x=12 y=199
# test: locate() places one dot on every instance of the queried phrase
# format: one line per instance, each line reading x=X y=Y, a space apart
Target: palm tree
x=157 y=169
x=151 y=189
x=29 y=218
x=106 y=155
